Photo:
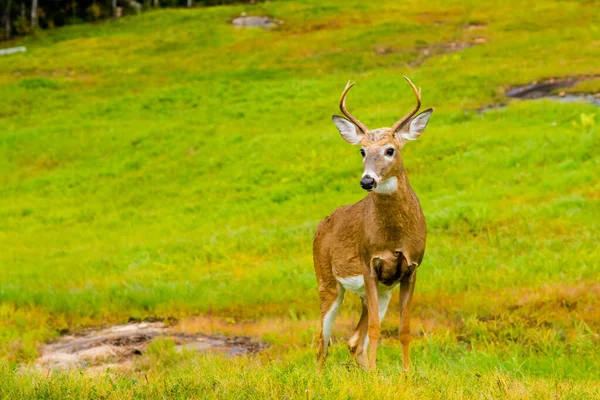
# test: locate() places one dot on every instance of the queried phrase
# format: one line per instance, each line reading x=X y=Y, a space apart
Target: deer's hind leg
x=357 y=344
x=331 y=295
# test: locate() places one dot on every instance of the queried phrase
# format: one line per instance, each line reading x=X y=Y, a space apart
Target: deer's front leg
x=372 y=297
x=407 y=287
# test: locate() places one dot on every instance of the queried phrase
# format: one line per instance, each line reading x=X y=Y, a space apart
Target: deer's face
x=381 y=159
x=380 y=148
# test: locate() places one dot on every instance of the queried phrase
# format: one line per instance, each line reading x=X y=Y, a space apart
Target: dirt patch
x=436 y=50
x=473 y=26
x=423 y=53
x=117 y=345
x=488 y=107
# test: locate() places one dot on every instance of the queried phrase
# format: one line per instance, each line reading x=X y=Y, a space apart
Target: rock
x=134 y=4
x=255 y=21
x=117 y=345
x=12 y=50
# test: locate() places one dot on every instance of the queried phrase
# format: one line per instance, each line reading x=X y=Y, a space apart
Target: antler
x=413 y=112
x=344 y=111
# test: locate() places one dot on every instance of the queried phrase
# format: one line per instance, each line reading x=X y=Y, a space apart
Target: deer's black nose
x=367 y=183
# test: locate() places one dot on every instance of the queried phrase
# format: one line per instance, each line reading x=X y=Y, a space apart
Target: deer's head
x=381 y=148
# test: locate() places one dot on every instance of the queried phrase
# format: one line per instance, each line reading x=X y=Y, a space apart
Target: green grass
x=170 y=165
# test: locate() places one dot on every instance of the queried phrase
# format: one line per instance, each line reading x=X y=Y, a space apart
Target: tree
x=34 y=7
x=7 y=21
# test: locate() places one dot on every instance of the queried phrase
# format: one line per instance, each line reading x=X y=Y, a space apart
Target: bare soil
x=423 y=53
x=118 y=345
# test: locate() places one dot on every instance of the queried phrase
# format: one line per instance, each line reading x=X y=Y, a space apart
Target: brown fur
x=346 y=241
x=382 y=238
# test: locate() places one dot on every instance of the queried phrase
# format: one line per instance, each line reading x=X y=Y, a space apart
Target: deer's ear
x=348 y=130
x=415 y=127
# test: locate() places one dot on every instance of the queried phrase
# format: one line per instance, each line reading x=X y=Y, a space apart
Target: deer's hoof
x=362 y=360
x=353 y=343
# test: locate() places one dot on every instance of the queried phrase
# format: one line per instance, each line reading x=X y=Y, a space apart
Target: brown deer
x=376 y=244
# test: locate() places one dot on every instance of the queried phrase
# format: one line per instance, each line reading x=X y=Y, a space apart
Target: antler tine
x=413 y=112
x=344 y=111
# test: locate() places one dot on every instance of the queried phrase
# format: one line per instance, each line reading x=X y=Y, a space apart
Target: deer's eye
x=390 y=152
x=362 y=152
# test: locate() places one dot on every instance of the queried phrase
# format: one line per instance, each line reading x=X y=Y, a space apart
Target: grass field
x=173 y=166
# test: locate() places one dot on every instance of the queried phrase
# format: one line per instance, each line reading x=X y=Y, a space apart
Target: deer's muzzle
x=368 y=183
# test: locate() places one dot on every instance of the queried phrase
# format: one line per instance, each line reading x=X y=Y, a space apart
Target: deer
x=371 y=247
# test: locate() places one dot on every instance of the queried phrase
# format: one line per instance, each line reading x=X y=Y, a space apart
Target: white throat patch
x=388 y=186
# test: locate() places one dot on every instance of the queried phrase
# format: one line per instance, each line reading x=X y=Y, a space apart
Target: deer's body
x=371 y=247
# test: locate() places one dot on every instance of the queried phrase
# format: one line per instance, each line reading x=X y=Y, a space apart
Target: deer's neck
x=393 y=201
x=394 y=222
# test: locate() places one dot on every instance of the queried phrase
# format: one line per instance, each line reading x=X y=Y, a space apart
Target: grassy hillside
x=171 y=166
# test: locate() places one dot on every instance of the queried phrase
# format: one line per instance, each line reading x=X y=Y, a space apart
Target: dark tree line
x=20 y=17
